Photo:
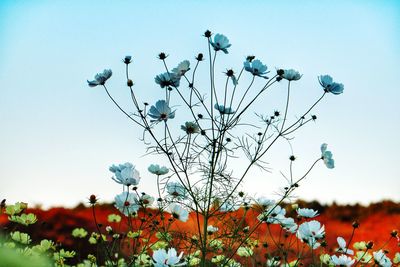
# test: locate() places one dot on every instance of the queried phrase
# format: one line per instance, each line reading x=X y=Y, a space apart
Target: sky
x=58 y=136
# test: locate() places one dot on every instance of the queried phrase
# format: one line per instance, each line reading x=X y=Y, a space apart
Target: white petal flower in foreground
x=327 y=157
x=146 y=200
x=176 y=190
x=182 y=68
x=289 y=225
x=273 y=262
x=396 y=258
x=381 y=259
x=125 y=174
x=329 y=86
x=244 y=252
x=164 y=259
x=342 y=260
x=178 y=212
x=167 y=79
x=363 y=256
x=220 y=42
x=291 y=75
x=256 y=67
x=161 y=111
x=362 y=245
x=342 y=246
x=310 y=232
x=273 y=215
x=211 y=229
x=100 y=78
x=229 y=206
x=265 y=202
x=157 y=170
x=224 y=110
x=307 y=213
x=190 y=127
x=127 y=203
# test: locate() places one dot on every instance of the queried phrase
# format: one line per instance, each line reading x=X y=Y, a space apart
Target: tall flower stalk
x=200 y=157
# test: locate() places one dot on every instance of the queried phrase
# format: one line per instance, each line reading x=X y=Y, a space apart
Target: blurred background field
x=376 y=222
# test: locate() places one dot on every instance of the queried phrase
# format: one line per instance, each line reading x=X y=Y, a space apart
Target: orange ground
x=376 y=223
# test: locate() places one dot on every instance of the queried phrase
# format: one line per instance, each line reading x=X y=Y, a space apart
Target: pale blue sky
x=58 y=136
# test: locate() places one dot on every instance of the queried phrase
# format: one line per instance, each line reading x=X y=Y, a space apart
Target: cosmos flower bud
x=199 y=57
x=369 y=245
x=127 y=60
x=162 y=56
x=129 y=83
x=92 y=199
x=394 y=233
x=280 y=72
x=229 y=73
x=207 y=33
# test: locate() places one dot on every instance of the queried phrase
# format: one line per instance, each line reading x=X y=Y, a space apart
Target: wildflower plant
x=201 y=130
x=202 y=180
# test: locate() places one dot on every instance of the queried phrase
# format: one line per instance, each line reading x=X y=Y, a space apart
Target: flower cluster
x=198 y=186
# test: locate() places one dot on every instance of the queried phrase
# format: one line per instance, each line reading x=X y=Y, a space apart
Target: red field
x=376 y=223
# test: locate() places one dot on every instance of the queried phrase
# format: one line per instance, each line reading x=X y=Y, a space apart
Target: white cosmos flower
x=127 y=203
x=396 y=258
x=307 y=213
x=157 y=170
x=265 y=202
x=220 y=42
x=273 y=215
x=327 y=157
x=212 y=229
x=146 y=200
x=291 y=75
x=190 y=127
x=342 y=260
x=167 y=79
x=363 y=256
x=182 y=68
x=125 y=174
x=224 y=110
x=100 y=78
x=161 y=111
x=176 y=190
x=276 y=211
x=362 y=245
x=273 y=263
x=256 y=67
x=163 y=258
x=229 y=205
x=289 y=225
x=178 y=212
x=329 y=86
x=342 y=246
x=381 y=259
x=310 y=232
x=244 y=252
